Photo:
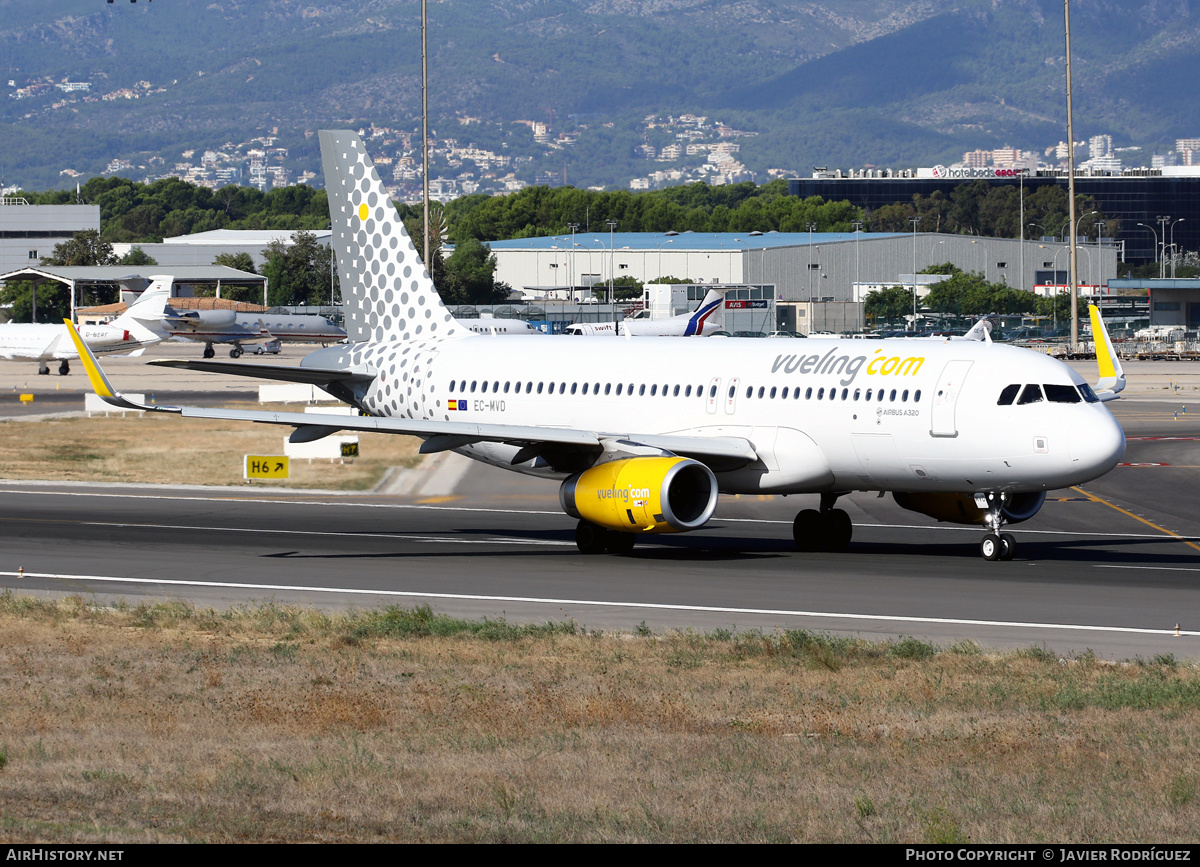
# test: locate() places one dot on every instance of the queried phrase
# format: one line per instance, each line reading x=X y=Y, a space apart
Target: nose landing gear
x=995 y=545
x=829 y=529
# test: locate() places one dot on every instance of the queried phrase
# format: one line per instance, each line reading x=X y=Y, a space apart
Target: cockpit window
x=1008 y=395
x=1088 y=394
x=1061 y=393
x=1030 y=394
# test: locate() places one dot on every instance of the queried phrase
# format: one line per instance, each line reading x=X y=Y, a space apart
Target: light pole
x=810 y=226
x=857 y=262
x=572 y=227
x=612 y=259
x=1089 y=255
x=1155 y=234
x=1173 y=257
x=914 y=221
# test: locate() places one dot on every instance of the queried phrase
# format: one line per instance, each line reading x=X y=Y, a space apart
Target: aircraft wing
x=439 y=435
x=283 y=373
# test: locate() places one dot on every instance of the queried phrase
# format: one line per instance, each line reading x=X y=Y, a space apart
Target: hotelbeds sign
x=970 y=174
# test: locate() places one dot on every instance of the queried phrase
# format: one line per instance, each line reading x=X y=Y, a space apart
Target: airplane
x=268 y=329
x=643 y=435
x=497 y=326
x=44 y=341
x=709 y=314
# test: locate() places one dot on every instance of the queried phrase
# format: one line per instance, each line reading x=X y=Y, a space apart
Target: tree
x=137 y=256
x=469 y=276
x=86 y=248
x=888 y=304
x=297 y=273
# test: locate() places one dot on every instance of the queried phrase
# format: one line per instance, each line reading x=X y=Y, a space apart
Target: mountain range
x=848 y=83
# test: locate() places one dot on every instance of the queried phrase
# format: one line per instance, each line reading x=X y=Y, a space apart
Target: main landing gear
x=826 y=530
x=593 y=539
x=63 y=368
x=995 y=545
x=209 y=352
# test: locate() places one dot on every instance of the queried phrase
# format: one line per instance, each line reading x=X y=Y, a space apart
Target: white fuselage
x=253 y=327
x=43 y=341
x=826 y=415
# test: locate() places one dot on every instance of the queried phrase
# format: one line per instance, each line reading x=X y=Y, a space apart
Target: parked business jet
x=497 y=327
x=44 y=342
x=268 y=330
x=642 y=435
x=708 y=317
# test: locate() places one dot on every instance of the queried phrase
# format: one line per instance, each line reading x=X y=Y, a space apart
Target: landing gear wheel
x=590 y=539
x=209 y=352
x=63 y=368
x=806 y=530
x=838 y=530
x=620 y=544
x=1008 y=546
x=235 y=352
x=43 y=370
x=991 y=547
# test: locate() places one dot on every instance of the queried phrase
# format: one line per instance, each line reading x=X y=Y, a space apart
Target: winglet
x=1112 y=375
x=99 y=381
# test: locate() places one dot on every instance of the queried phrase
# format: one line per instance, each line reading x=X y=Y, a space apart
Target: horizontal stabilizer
x=307 y=375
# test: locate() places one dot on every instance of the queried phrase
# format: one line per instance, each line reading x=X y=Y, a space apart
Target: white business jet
x=44 y=341
x=708 y=317
x=642 y=435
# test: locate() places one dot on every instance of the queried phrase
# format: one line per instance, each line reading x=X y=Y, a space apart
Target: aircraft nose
x=1097 y=444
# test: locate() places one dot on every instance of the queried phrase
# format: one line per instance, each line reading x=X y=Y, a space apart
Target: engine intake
x=961 y=508
x=642 y=495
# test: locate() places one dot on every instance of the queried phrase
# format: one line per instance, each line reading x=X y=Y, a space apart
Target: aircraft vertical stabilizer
x=393 y=297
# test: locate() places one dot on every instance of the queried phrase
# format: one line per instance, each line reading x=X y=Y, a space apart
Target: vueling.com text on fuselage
x=878 y=364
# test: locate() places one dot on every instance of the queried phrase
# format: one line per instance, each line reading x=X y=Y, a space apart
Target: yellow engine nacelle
x=642 y=495
x=961 y=508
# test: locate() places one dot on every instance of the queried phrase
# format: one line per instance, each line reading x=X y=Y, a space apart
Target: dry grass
x=165 y=723
x=158 y=449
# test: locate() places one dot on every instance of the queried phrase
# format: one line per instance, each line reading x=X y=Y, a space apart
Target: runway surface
x=1112 y=566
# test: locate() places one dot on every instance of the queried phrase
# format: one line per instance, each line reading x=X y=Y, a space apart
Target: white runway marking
x=655 y=606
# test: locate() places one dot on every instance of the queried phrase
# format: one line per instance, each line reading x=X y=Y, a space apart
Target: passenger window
x=820 y=394
x=618 y=389
x=1008 y=395
x=641 y=390
x=506 y=387
x=654 y=390
x=856 y=393
x=472 y=386
x=904 y=396
x=1061 y=393
x=845 y=393
x=496 y=386
x=893 y=397
x=539 y=388
x=585 y=385
x=712 y=392
x=607 y=388
x=917 y=396
x=573 y=386
x=1030 y=394
x=761 y=390
x=749 y=391
x=562 y=387
x=731 y=391
x=452 y=386
x=687 y=393
x=483 y=386
x=772 y=391
x=808 y=394
x=528 y=387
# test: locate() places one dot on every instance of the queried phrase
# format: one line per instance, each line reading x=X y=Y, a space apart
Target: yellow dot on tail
x=362 y=212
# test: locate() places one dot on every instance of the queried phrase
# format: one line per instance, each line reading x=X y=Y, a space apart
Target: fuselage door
x=945 y=397
x=714 y=395
x=731 y=395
